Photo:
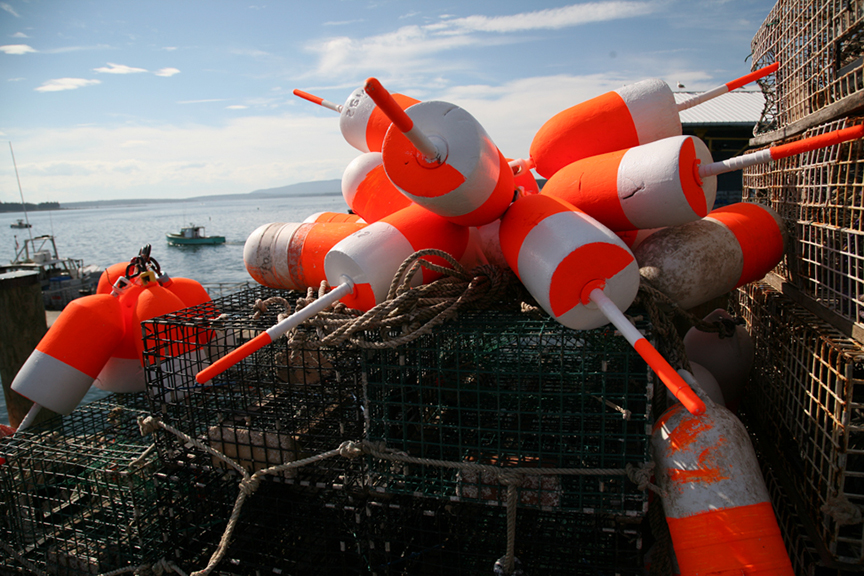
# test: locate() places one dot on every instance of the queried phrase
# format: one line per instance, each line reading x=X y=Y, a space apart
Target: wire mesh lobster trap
x=807 y=395
x=820 y=196
x=78 y=491
x=819 y=48
x=514 y=392
x=278 y=405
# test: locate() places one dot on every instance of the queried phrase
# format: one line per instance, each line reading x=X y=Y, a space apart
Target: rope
x=844 y=512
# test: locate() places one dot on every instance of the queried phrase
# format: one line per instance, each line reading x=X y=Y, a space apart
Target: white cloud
x=19 y=35
x=17 y=49
x=236 y=107
x=9 y=9
x=60 y=84
x=166 y=72
x=202 y=101
x=118 y=69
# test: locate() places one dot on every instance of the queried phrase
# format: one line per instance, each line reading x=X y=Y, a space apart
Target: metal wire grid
x=820 y=196
x=511 y=390
x=78 y=492
x=819 y=47
x=807 y=384
x=276 y=406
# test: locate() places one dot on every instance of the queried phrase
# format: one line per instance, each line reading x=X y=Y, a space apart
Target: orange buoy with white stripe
x=338 y=217
x=367 y=189
x=630 y=116
x=124 y=370
x=70 y=356
x=698 y=261
x=291 y=255
x=362 y=124
x=714 y=497
x=372 y=256
x=649 y=186
x=441 y=158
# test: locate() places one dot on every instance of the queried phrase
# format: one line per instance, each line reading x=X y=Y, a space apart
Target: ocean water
x=106 y=236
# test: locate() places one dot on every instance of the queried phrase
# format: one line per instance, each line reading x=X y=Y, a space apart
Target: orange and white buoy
x=338 y=217
x=698 y=261
x=291 y=255
x=649 y=186
x=362 y=124
x=630 y=116
x=67 y=360
x=716 y=504
x=367 y=189
x=372 y=256
x=441 y=158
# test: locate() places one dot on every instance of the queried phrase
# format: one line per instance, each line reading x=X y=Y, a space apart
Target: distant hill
x=319 y=188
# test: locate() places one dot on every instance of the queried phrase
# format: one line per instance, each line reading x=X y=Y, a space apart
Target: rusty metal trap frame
x=820 y=197
x=509 y=389
x=808 y=391
x=276 y=406
x=77 y=491
x=819 y=47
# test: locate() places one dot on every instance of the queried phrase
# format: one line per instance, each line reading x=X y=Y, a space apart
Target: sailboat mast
x=21 y=192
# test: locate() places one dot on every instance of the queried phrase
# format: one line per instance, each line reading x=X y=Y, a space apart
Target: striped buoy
x=372 y=256
x=649 y=186
x=715 y=500
x=700 y=260
x=124 y=370
x=337 y=217
x=367 y=189
x=70 y=356
x=291 y=255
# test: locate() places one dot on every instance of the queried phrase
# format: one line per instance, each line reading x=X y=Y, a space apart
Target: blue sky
x=105 y=99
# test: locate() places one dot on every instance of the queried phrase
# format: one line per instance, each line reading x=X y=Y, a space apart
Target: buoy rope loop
x=641 y=476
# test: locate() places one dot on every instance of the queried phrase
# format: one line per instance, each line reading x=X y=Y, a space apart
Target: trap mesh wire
x=819 y=48
x=276 y=406
x=511 y=389
x=820 y=196
x=806 y=396
x=78 y=494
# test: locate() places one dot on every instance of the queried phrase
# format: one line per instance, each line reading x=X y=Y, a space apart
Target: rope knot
x=844 y=512
x=249 y=485
x=147 y=425
x=351 y=449
x=508 y=478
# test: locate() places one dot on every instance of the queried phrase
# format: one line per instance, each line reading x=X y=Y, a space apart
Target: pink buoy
x=372 y=256
x=649 y=186
x=291 y=255
x=367 y=189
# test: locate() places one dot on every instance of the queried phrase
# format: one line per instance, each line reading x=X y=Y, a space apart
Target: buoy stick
x=385 y=102
x=274 y=332
x=782 y=151
x=29 y=418
x=318 y=100
x=673 y=381
x=728 y=87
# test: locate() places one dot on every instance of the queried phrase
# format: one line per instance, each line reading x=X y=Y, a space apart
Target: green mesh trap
x=513 y=390
x=78 y=494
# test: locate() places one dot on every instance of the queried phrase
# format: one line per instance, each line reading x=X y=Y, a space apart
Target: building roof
x=742 y=107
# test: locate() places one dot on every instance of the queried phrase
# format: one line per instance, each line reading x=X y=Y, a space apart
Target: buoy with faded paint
x=372 y=256
x=60 y=371
x=649 y=186
x=291 y=255
x=714 y=497
x=362 y=124
x=706 y=381
x=698 y=261
x=729 y=359
x=441 y=158
x=367 y=189
x=630 y=116
x=581 y=273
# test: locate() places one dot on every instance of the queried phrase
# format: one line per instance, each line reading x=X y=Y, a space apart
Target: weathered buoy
x=706 y=381
x=630 y=116
x=716 y=504
x=441 y=158
x=291 y=255
x=372 y=256
x=701 y=260
x=649 y=186
x=367 y=189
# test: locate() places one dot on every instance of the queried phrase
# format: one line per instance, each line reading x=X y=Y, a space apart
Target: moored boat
x=192 y=235
x=20 y=223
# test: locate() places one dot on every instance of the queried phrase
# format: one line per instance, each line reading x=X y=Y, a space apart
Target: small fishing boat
x=20 y=223
x=62 y=279
x=192 y=235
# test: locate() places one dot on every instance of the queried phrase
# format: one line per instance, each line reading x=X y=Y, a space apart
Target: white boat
x=20 y=223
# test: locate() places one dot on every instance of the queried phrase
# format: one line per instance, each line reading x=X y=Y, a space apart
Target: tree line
x=18 y=207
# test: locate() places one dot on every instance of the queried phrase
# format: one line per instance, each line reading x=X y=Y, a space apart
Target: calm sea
x=105 y=236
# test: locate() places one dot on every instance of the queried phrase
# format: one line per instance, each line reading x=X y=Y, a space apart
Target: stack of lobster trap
x=804 y=399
